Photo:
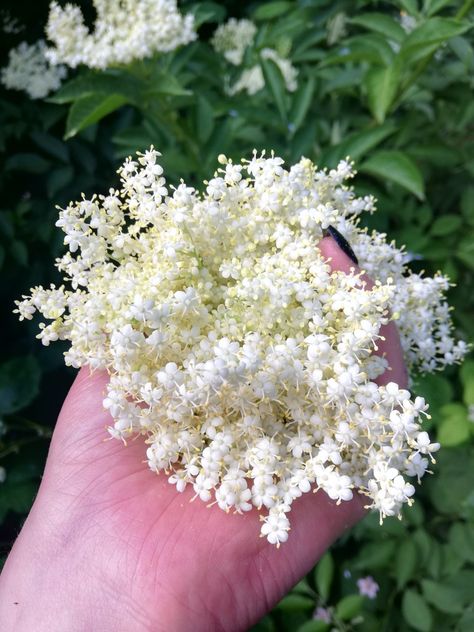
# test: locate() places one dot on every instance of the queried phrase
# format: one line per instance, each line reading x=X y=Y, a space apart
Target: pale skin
x=111 y=546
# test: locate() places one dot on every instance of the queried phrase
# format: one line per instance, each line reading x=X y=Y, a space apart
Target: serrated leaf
x=405 y=562
x=380 y=23
x=324 y=574
x=416 y=611
x=90 y=110
x=349 y=607
x=381 y=85
x=276 y=84
x=397 y=167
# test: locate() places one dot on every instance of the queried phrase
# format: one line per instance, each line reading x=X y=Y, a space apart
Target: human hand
x=109 y=545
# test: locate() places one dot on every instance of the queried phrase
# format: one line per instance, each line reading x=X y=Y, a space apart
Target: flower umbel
x=123 y=31
x=232 y=347
x=30 y=71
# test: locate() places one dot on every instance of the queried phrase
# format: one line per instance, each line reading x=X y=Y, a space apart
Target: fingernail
x=341 y=242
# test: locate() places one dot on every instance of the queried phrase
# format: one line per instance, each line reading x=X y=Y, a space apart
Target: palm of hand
x=152 y=549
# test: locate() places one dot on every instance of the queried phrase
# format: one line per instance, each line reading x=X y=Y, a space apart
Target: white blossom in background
x=368 y=587
x=252 y=79
x=244 y=361
x=232 y=38
x=10 y=24
x=3 y=474
x=29 y=70
x=123 y=31
x=470 y=413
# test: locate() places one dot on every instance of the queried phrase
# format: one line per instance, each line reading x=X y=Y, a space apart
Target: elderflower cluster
x=252 y=79
x=244 y=360
x=123 y=31
x=30 y=71
x=233 y=38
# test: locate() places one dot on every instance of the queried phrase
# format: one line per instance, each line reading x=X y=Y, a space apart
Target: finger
x=389 y=347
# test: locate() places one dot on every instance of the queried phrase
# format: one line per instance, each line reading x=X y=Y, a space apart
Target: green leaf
x=19 y=252
x=455 y=428
x=436 y=389
x=467 y=378
x=433 y=6
x=276 y=84
x=323 y=575
x=349 y=607
x=380 y=23
x=416 y=612
x=313 y=626
x=295 y=603
x=51 y=145
x=371 y=48
x=405 y=562
x=427 y=37
x=445 y=224
x=19 y=383
x=465 y=251
x=207 y=12
x=442 y=597
x=396 y=167
x=164 y=83
x=270 y=10
x=381 y=85
x=302 y=100
x=467 y=204
x=16 y=496
x=204 y=119
x=357 y=145
x=29 y=162
x=58 y=179
x=375 y=555
x=91 y=109
x=89 y=84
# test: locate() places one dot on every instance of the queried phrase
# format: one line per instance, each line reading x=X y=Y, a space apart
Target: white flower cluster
x=252 y=79
x=231 y=345
x=123 y=31
x=30 y=71
x=232 y=39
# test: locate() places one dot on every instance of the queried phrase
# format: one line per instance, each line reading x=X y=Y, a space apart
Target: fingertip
x=337 y=258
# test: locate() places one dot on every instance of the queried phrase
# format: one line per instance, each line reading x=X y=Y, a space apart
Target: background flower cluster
x=388 y=83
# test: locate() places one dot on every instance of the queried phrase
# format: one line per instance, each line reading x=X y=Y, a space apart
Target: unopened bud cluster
x=234 y=349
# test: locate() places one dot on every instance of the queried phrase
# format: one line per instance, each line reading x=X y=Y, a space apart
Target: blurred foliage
x=388 y=83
